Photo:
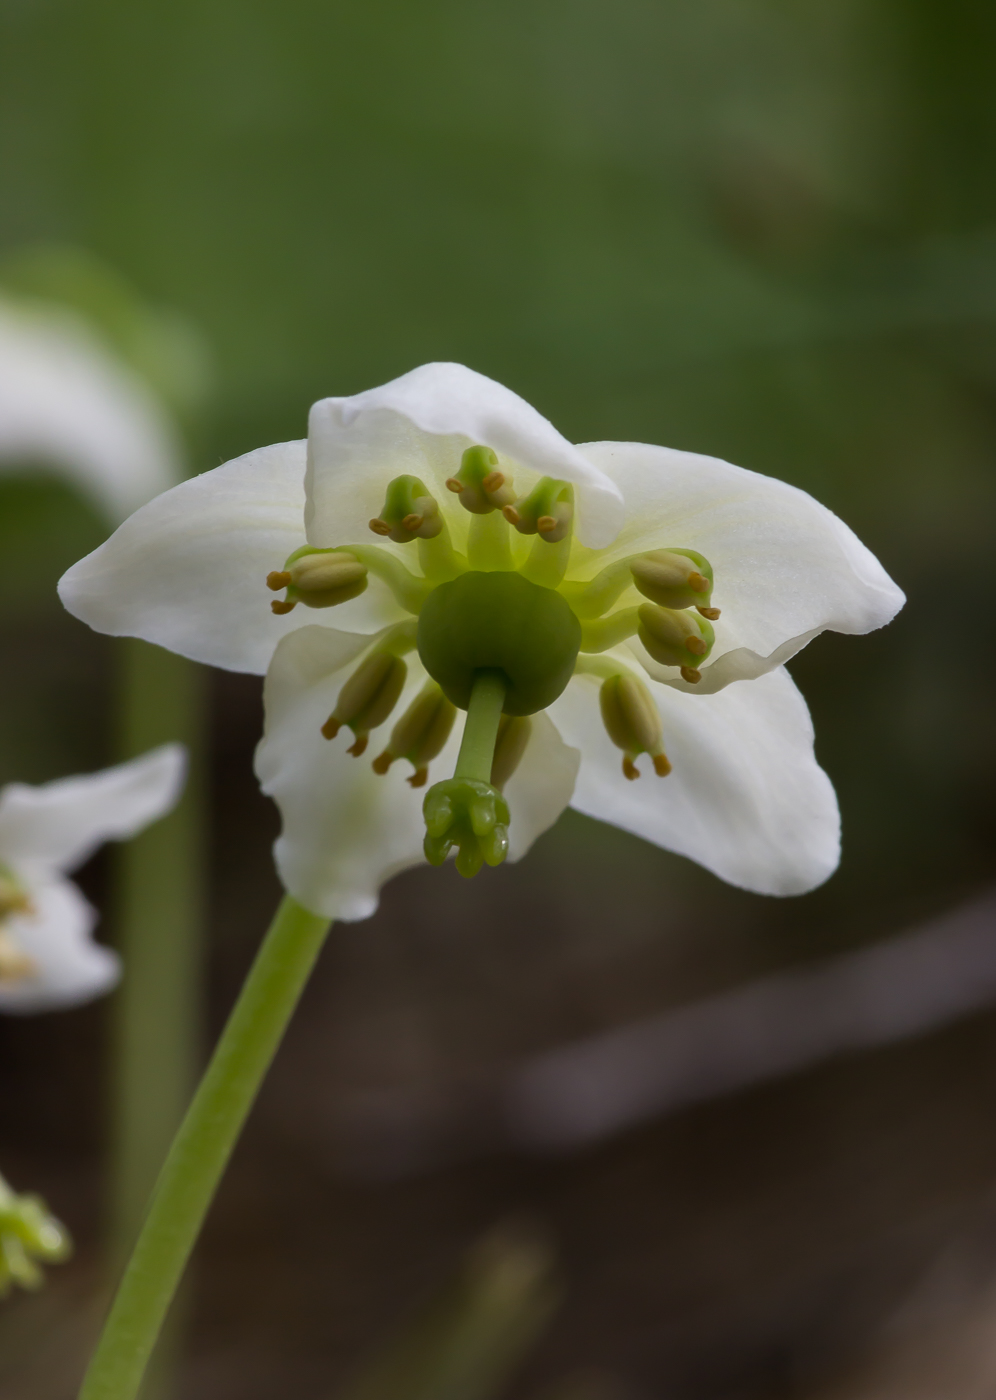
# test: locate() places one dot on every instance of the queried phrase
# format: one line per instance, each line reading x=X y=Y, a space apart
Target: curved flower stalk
x=437 y=545
x=48 y=959
x=30 y=1236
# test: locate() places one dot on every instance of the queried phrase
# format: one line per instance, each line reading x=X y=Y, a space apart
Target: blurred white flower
x=47 y=956
x=68 y=403
x=503 y=550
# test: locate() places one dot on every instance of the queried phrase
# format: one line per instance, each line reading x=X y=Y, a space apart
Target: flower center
x=499 y=622
x=15 y=964
x=500 y=632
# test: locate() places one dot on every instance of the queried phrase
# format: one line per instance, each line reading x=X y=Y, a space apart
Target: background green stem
x=201 y=1151
x=160 y=922
x=160 y=880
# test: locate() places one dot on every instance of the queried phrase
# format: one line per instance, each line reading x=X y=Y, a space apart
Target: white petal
x=58 y=825
x=70 y=967
x=420 y=424
x=786 y=567
x=345 y=829
x=746 y=797
x=188 y=571
x=541 y=787
x=66 y=402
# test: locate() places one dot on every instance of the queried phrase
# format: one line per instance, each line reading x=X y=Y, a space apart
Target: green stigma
x=500 y=633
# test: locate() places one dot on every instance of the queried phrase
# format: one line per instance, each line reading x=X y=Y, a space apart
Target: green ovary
x=499 y=622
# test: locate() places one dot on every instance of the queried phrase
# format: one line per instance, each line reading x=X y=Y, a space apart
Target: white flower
x=67 y=402
x=511 y=547
x=47 y=956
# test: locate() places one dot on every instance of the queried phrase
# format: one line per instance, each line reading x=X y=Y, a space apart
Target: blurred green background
x=760 y=230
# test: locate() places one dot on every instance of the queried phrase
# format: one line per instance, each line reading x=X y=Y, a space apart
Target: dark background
x=758 y=230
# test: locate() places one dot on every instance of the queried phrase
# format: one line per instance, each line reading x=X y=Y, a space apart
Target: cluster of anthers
x=500 y=631
x=14 y=900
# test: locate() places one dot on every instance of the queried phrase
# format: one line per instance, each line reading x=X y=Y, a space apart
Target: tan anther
x=661 y=765
x=359 y=745
x=280 y=607
x=689 y=674
x=383 y=762
x=545 y=524
x=277 y=579
x=629 y=768
x=412 y=522
x=697 y=582
x=419 y=778
x=380 y=527
x=494 y=481
x=511 y=515
x=696 y=646
x=454 y=485
x=710 y=613
x=367 y=698
x=15 y=964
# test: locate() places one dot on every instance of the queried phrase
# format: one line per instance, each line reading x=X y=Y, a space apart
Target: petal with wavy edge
x=420 y=424
x=66 y=402
x=746 y=797
x=786 y=567
x=58 y=825
x=70 y=967
x=188 y=571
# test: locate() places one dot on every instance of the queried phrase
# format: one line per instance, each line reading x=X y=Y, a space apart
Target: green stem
x=160 y=896
x=480 y=733
x=201 y=1151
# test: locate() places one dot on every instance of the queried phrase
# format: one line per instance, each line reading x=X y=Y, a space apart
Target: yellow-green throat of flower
x=500 y=636
x=15 y=965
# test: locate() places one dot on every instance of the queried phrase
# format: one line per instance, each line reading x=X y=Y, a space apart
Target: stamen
x=548 y=513
x=15 y=964
x=711 y=613
x=633 y=723
x=421 y=733
x=548 y=510
x=673 y=578
x=367 y=698
x=320 y=578
x=675 y=638
x=409 y=513
x=480 y=486
x=280 y=607
x=689 y=674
